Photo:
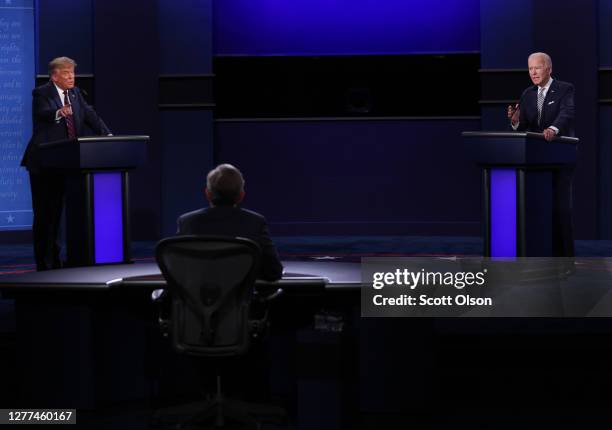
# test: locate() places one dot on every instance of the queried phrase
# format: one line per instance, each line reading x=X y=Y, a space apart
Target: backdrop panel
x=16 y=82
x=357 y=177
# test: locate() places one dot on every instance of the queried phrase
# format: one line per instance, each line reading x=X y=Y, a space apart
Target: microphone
x=518 y=105
x=68 y=97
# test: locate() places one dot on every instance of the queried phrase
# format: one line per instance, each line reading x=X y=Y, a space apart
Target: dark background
x=331 y=144
x=358 y=145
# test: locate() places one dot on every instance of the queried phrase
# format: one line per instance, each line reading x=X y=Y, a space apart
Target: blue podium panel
x=108 y=217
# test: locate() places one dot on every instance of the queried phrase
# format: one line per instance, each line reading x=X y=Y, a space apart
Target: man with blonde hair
x=59 y=112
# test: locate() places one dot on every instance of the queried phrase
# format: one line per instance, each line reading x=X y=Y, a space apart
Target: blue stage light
x=346 y=27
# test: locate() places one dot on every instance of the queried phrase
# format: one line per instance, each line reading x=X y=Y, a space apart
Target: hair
x=225 y=184
x=545 y=56
x=59 y=62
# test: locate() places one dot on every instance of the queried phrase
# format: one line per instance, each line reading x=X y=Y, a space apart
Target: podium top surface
x=87 y=139
x=522 y=149
x=96 y=152
x=518 y=134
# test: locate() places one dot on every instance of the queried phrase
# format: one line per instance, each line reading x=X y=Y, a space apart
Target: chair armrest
x=266 y=292
x=263 y=295
x=268 y=297
x=161 y=300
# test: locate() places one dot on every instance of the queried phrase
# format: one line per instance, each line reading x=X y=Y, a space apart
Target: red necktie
x=69 y=119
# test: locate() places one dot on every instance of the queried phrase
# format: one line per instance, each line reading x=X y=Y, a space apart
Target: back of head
x=225 y=185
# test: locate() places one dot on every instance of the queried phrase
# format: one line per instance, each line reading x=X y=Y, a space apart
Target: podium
x=523 y=177
x=97 y=197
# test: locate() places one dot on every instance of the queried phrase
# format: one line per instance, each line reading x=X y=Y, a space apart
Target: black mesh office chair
x=210 y=282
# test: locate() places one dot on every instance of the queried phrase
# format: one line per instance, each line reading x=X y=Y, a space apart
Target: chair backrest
x=210 y=280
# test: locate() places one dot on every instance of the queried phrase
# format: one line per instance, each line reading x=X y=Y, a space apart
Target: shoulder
x=192 y=215
x=562 y=85
x=252 y=214
x=529 y=90
x=77 y=91
x=43 y=90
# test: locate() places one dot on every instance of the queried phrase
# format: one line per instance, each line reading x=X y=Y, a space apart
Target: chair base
x=216 y=412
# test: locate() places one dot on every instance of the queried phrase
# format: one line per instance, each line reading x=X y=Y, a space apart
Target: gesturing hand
x=514 y=113
x=65 y=111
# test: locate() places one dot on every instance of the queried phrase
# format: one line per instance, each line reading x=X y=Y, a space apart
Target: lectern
x=522 y=173
x=97 y=212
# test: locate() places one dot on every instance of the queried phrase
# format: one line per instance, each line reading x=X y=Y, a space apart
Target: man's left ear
x=241 y=198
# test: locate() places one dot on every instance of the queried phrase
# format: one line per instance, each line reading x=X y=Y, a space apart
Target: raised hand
x=65 y=111
x=514 y=113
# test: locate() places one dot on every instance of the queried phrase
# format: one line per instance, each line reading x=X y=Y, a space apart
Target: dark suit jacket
x=558 y=109
x=235 y=221
x=45 y=103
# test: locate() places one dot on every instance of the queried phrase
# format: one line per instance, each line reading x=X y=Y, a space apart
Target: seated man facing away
x=225 y=191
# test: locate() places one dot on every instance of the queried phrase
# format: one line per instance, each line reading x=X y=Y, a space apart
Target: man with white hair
x=546 y=107
x=224 y=192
